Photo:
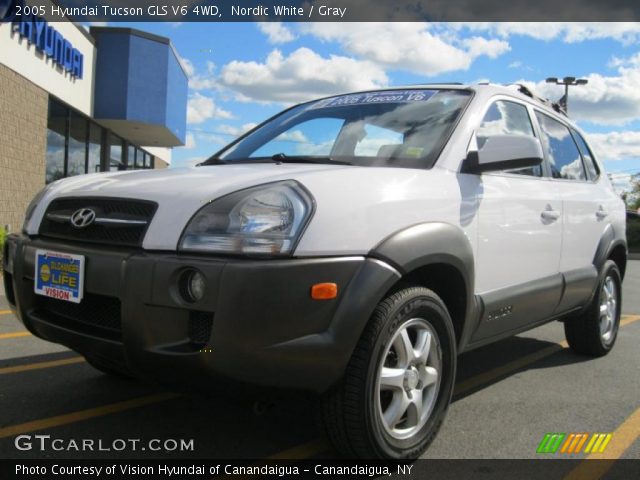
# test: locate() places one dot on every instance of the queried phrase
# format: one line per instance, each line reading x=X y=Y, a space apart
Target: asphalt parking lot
x=508 y=396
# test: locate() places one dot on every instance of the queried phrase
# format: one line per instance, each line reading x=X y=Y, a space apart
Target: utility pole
x=567 y=82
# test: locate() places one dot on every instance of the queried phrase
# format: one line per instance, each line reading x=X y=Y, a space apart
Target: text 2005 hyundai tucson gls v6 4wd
x=351 y=246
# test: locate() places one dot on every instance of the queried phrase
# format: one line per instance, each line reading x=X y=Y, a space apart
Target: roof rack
x=553 y=105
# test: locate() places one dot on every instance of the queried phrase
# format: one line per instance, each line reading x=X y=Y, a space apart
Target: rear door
x=585 y=206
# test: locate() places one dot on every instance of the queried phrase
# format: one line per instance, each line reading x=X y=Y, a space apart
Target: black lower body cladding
x=256 y=323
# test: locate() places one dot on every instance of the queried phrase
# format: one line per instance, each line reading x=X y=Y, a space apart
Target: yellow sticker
x=45 y=273
x=414 y=152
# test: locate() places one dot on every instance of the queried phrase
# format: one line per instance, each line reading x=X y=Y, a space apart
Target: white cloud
x=233 y=130
x=296 y=136
x=516 y=64
x=201 y=108
x=190 y=141
x=276 y=32
x=605 y=100
x=187 y=66
x=616 y=145
x=569 y=32
x=416 y=47
x=199 y=81
x=303 y=75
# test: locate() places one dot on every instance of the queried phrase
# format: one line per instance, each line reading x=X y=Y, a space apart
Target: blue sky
x=241 y=73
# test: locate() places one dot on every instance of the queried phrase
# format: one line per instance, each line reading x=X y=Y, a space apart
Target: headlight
x=264 y=220
x=32 y=206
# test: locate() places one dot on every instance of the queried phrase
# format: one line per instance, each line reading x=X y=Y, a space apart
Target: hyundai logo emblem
x=83 y=217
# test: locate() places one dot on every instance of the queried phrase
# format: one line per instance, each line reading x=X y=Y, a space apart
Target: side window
x=587 y=157
x=507 y=118
x=564 y=156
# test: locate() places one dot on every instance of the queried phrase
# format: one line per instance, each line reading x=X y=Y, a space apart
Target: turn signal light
x=324 y=291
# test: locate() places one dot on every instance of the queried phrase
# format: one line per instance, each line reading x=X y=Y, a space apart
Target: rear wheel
x=398 y=384
x=594 y=332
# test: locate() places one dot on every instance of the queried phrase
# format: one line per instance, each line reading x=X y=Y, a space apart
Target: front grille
x=200 y=324
x=118 y=221
x=96 y=315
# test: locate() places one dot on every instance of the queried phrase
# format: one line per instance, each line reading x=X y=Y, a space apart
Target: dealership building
x=74 y=101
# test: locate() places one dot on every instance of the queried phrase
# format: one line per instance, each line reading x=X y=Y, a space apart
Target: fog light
x=192 y=285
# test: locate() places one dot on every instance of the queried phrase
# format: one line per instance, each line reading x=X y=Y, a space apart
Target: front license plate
x=59 y=275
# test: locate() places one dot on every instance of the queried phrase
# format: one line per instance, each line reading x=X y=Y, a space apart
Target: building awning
x=140 y=87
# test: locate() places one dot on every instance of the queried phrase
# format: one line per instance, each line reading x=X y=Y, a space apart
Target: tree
x=632 y=197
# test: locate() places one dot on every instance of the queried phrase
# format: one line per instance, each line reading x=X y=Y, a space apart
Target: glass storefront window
x=131 y=157
x=77 y=146
x=116 y=162
x=56 y=142
x=95 y=149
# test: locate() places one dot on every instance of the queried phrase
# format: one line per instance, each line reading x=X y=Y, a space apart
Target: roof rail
x=527 y=91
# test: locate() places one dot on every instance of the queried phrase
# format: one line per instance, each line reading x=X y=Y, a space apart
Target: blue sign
x=49 y=41
x=59 y=275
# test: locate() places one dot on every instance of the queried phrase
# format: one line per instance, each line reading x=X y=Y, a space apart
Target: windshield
x=400 y=128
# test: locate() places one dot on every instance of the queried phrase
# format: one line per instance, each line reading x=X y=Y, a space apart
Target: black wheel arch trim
x=430 y=243
x=611 y=239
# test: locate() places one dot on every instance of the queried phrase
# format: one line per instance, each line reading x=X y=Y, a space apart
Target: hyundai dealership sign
x=51 y=42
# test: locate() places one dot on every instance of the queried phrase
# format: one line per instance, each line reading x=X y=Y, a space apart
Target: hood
x=178 y=192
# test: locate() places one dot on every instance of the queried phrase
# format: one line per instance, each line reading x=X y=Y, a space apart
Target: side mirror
x=504 y=152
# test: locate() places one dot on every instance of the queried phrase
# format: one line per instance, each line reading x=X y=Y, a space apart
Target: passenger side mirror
x=504 y=152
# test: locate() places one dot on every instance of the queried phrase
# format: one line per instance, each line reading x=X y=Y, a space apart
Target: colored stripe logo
x=573 y=443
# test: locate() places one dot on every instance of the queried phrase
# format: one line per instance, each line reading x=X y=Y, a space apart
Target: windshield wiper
x=283 y=158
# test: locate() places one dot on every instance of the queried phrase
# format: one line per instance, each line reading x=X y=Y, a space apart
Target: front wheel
x=594 y=332
x=399 y=381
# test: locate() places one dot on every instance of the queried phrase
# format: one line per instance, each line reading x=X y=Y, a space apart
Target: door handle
x=549 y=214
x=601 y=213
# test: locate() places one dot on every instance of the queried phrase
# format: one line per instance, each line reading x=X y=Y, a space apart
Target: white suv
x=351 y=247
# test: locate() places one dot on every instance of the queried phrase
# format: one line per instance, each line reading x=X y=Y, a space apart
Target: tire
x=594 y=331
x=362 y=416
x=108 y=369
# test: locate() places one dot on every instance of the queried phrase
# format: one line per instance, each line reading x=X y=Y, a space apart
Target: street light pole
x=567 y=81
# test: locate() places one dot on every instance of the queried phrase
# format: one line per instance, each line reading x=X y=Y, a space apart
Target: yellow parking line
x=627 y=319
x=14 y=335
x=81 y=415
x=5 y=312
x=39 y=365
x=618 y=443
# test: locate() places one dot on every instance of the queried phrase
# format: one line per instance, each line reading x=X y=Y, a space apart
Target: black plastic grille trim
x=96 y=315
x=112 y=208
x=200 y=324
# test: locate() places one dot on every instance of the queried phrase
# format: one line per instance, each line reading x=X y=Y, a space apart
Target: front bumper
x=256 y=324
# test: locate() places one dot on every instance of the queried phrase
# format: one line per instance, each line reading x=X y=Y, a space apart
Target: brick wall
x=23 y=139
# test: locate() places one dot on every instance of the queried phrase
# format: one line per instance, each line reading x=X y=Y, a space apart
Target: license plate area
x=59 y=275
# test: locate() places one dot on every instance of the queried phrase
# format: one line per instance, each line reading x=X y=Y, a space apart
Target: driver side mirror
x=504 y=152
